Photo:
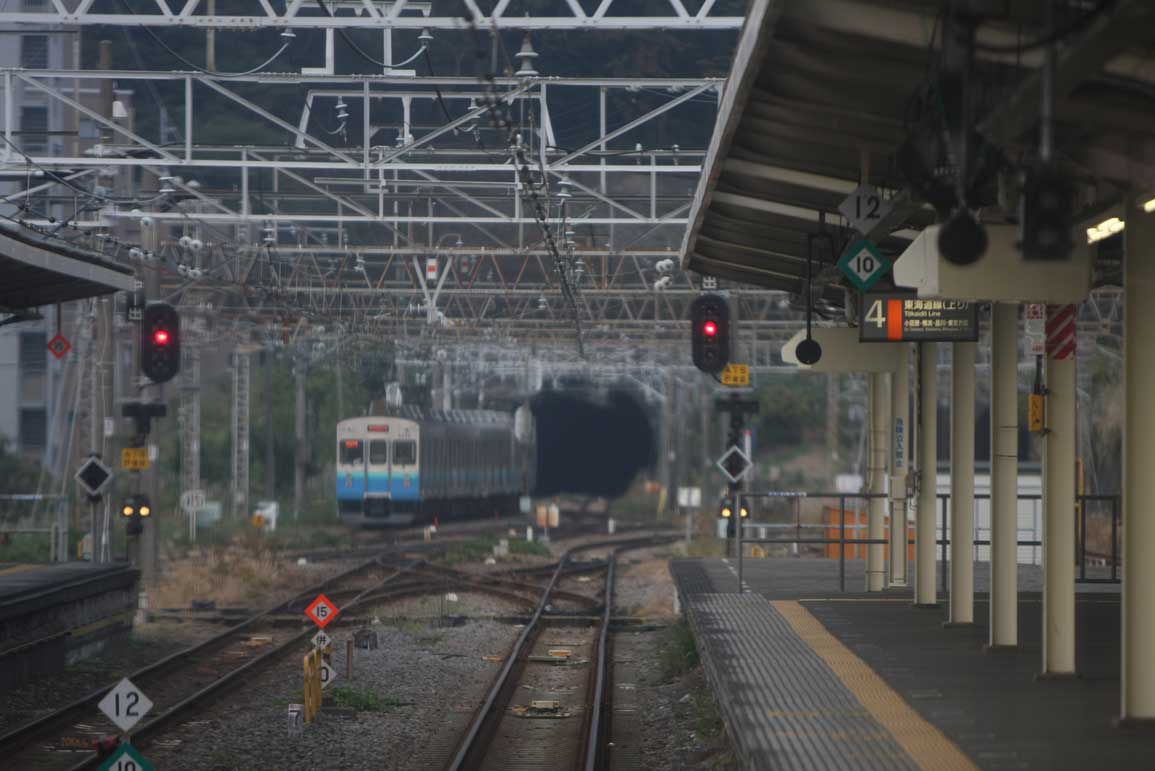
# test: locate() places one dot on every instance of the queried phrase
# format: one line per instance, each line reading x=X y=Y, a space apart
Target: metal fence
x=1085 y=505
x=37 y=514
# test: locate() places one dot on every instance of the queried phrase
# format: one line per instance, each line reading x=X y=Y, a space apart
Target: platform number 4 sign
x=126 y=758
x=125 y=705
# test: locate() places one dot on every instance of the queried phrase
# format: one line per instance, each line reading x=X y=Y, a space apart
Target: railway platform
x=54 y=614
x=808 y=677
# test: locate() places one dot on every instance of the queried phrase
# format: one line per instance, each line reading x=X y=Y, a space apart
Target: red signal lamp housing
x=710 y=328
x=160 y=336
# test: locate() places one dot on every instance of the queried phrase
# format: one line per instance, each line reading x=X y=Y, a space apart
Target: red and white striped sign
x=1061 y=331
x=431 y=269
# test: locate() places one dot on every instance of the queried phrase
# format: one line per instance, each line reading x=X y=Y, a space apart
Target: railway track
x=64 y=738
x=548 y=704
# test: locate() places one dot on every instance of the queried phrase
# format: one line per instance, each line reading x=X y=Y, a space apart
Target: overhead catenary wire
x=287 y=36
x=360 y=52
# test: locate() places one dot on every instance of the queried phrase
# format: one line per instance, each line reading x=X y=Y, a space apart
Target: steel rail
x=24 y=733
x=469 y=748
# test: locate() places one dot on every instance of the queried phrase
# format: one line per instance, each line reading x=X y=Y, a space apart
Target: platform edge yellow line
x=926 y=745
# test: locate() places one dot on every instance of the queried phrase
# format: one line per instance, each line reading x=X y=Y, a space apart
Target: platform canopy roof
x=37 y=270
x=822 y=90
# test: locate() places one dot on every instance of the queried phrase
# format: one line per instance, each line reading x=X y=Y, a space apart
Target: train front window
x=378 y=452
x=351 y=452
x=404 y=452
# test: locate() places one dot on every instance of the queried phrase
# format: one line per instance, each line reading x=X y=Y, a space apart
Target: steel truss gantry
x=367 y=14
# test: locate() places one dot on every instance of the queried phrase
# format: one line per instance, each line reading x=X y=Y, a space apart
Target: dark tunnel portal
x=590 y=442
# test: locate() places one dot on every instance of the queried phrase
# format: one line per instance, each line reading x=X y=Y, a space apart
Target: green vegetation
x=707 y=720
x=678 y=652
x=363 y=699
x=477 y=549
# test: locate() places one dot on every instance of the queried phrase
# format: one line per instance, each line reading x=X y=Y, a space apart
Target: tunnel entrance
x=590 y=441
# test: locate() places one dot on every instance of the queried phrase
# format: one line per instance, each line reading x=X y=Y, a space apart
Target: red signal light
x=160 y=337
x=710 y=328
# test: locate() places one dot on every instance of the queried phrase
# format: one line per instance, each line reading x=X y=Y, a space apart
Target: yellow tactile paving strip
x=925 y=744
x=18 y=569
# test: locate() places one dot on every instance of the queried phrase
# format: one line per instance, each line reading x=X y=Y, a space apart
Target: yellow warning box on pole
x=134 y=459
x=736 y=375
x=1035 y=413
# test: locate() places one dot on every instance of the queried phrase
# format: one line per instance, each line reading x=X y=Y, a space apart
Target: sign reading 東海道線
x=893 y=317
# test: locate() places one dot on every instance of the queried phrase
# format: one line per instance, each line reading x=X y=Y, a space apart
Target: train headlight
x=726 y=512
x=745 y=512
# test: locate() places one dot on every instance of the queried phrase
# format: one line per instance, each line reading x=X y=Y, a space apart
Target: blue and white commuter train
x=405 y=465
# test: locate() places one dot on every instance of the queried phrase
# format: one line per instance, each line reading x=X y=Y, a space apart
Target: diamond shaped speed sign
x=322 y=611
x=125 y=705
x=59 y=346
x=865 y=208
x=126 y=758
x=328 y=675
x=863 y=264
x=734 y=464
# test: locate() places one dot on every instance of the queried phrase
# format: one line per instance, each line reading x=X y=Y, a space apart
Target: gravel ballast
x=429 y=681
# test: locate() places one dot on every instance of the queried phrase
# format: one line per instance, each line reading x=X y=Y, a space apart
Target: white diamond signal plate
x=865 y=208
x=745 y=461
x=322 y=640
x=125 y=705
x=328 y=675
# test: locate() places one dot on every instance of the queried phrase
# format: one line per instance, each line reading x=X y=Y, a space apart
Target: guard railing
x=1108 y=558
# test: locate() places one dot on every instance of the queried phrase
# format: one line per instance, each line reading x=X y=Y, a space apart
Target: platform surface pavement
x=875 y=650
x=19 y=579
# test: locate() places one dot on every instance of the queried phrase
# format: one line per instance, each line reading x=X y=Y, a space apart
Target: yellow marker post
x=312 y=685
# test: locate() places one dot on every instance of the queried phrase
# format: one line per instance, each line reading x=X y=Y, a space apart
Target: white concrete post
x=962 y=484
x=1059 y=497
x=1004 y=630
x=899 y=435
x=1138 y=461
x=924 y=524
x=876 y=507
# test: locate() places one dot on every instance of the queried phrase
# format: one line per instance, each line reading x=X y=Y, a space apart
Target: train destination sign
x=888 y=317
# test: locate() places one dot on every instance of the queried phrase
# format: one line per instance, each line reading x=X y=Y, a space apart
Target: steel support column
x=1004 y=628
x=1059 y=512
x=899 y=435
x=925 y=592
x=962 y=484
x=876 y=506
x=300 y=455
x=1138 y=670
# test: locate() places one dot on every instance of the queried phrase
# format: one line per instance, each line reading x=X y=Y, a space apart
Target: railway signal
x=160 y=342
x=134 y=511
x=710 y=333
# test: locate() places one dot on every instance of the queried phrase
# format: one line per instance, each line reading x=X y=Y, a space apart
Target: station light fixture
x=1149 y=206
x=1106 y=229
